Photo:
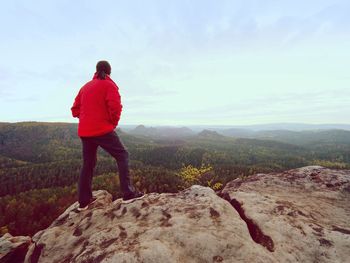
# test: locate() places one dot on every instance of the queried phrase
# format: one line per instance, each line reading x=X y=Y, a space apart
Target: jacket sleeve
x=114 y=105
x=76 y=106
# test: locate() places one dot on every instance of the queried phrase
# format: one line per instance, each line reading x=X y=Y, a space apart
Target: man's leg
x=89 y=162
x=112 y=144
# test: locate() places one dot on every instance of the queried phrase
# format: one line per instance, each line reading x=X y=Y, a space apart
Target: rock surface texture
x=192 y=226
x=301 y=215
x=13 y=249
x=304 y=212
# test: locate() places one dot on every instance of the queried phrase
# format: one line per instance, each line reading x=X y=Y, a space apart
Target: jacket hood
x=95 y=76
x=107 y=77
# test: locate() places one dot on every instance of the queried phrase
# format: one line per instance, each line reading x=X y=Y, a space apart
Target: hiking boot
x=128 y=198
x=83 y=208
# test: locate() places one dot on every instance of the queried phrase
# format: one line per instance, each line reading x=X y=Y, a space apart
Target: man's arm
x=114 y=105
x=76 y=106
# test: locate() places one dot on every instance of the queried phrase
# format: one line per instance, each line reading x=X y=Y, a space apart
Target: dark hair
x=103 y=68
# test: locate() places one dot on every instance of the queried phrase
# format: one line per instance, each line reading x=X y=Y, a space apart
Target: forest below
x=40 y=163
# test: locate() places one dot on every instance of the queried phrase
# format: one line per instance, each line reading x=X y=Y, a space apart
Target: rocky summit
x=301 y=215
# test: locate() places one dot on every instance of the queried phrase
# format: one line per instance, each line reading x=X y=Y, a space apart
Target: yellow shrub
x=191 y=175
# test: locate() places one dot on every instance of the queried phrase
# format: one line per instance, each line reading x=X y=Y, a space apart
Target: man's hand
x=76 y=106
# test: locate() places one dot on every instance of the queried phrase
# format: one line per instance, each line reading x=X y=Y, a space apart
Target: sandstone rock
x=301 y=215
x=305 y=212
x=13 y=249
x=192 y=226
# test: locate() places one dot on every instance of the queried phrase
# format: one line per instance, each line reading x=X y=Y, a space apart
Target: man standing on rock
x=98 y=107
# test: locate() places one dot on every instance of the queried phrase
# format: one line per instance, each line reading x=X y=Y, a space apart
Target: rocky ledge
x=299 y=215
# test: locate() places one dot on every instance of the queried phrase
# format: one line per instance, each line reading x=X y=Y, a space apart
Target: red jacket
x=98 y=107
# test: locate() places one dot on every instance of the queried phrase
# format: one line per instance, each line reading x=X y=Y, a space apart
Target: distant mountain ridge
x=45 y=142
x=210 y=134
x=161 y=131
x=307 y=137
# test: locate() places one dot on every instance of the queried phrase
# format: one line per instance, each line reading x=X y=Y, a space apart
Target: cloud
x=179 y=59
x=277 y=108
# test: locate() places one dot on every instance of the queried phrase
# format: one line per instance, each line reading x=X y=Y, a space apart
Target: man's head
x=103 y=68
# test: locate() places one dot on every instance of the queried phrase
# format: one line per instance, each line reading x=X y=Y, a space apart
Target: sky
x=179 y=62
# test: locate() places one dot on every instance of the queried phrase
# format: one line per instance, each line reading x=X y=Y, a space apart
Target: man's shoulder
x=89 y=83
x=111 y=84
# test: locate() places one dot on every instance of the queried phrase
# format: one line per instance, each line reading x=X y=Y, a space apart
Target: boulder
x=194 y=225
x=305 y=212
x=13 y=248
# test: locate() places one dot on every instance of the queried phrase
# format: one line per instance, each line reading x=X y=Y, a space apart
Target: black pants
x=111 y=143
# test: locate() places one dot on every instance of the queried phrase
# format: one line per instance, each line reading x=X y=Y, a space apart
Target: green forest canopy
x=40 y=164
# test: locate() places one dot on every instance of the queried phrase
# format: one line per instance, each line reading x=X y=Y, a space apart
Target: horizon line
x=184 y=125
